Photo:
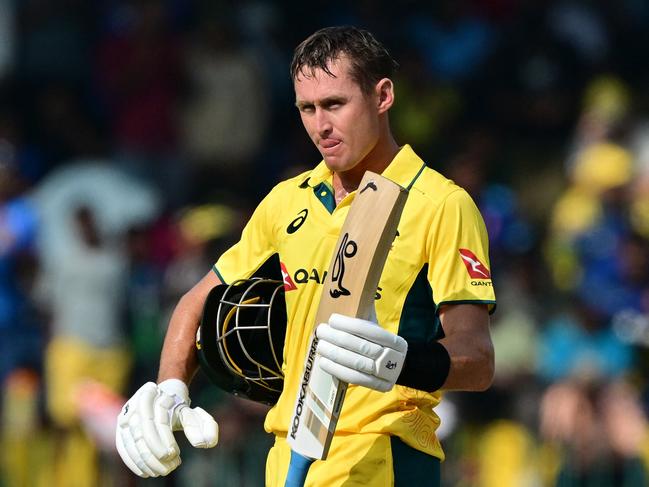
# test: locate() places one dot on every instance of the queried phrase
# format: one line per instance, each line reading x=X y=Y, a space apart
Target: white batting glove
x=145 y=426
x=360 y=352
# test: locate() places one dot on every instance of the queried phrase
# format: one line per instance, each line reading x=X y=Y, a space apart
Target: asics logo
x=295 y=225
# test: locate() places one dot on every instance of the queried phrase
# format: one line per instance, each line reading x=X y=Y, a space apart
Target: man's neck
x=376 y=161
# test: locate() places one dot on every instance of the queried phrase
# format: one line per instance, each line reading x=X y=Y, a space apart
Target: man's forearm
x=472 y=363
x=178 y=359
x=469 y=346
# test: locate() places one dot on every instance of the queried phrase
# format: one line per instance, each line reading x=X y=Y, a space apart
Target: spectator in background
x=83 y=291
x=20 y=335
x=225 y=115
x=606 y=103
x=139 y=77
x=597 y=431
x=581 y=343
x=589 y=219
x=18 y=227
x=455 y=42
x=139 y=71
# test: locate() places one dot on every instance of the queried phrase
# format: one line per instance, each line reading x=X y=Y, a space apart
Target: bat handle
x=297 y=470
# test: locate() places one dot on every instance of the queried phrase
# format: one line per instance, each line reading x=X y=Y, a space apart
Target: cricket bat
x=349 y=289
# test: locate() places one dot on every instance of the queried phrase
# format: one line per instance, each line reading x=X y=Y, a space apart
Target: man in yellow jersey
x=432 y=304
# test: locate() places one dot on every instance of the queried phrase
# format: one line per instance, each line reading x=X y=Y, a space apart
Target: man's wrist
x=426 y=367
x=175 y=388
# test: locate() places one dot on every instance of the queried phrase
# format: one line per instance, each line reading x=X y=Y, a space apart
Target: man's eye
x=306 y=108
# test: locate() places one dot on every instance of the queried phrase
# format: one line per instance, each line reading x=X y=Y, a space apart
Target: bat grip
x=297 y=470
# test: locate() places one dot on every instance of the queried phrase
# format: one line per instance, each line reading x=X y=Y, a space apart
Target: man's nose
x=323 y=122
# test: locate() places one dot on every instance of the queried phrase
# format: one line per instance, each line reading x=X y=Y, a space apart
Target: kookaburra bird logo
x=476 y=269
x=346 y=250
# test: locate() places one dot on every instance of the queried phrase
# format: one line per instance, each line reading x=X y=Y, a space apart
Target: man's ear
x=385 y=94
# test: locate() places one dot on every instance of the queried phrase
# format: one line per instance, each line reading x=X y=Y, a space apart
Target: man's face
x=342 y=122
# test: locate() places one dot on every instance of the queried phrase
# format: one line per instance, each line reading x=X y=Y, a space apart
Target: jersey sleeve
x=458 y=252
x=255 y=247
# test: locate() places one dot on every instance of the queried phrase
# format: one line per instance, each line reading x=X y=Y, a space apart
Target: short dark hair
x=370 y=60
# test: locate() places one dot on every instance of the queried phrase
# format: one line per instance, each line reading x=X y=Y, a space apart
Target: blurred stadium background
x=136 y=137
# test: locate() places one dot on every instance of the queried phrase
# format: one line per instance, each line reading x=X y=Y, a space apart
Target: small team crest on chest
x=476 y=269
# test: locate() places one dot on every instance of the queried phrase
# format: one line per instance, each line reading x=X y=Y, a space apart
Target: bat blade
x=349 y=289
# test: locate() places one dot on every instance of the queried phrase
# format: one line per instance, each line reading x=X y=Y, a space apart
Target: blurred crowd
x=136 y=136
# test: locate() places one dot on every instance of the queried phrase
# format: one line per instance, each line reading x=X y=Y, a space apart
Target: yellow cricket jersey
x=440 y=256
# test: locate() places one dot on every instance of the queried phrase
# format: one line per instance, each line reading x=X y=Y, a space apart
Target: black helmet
x=240 y=340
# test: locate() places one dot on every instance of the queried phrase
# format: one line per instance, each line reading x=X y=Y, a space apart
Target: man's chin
x=336 y=164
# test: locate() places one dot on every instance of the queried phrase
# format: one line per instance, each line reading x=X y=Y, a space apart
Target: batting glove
x=145 y=426
x=360 y=352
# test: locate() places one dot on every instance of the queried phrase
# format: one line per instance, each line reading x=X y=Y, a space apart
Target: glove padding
x=144 y=436
x=360 y=352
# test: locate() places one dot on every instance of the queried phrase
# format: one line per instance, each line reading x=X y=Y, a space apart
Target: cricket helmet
x=240 y=340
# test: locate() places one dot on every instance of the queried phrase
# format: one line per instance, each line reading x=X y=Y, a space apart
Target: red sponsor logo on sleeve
x=289 y=285
x=476 y=269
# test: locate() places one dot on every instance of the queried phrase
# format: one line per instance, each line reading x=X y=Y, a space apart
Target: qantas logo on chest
x=475 y=268
x=289 y=285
